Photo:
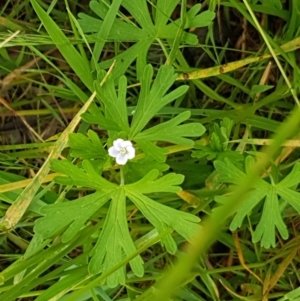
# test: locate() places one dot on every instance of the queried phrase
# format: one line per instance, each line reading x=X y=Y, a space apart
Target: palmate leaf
x=86 y=147
x=159 y=215
x=68 y=217
x=153 y=98
x=125 y=59
x=171 y=131
x=120 y=29
x=151 y=150
x=96 y=116
x=150 y=183
x=212 y=154
x=164 y=9
x=193 y=19
x=218 y=144
x=271 y=217
x=144 y=33
x=114 y=104
x=163 y=217
x=136 y=170
x=115 y=243
x=85 y=177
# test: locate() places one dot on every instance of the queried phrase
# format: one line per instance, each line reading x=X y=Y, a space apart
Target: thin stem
x=122 y=176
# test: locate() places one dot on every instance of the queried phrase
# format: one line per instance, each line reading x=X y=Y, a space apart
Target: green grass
x=208 y=208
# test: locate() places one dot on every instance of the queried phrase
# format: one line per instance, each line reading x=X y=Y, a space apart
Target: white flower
x=122 y=151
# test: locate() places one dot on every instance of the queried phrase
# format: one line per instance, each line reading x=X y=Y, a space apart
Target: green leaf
x=85 y=177
x=76 y=275
x=87 y=147
x=96 y=117
x=274 y=3
x=71 y=55
x=259 y=89
x=218 y=144
x=141 y=30
x=202 y=20
x=221 y=134
x=163 y=217
x=125 y=59
x=105 y=29
x=228 y=172
x=114 y=105
x=211 y=154
x=141 y=14
x=172 y=132
x=163 y=12
x=290 y=196
x=292 y=179
x=115 y=243
x=160 y=215
x=215 y=142
x=224 y=130
x=294 y=295
x=150 y=183
x=151 y=150
x=136 y=170
x=271 y=217
x=152 y=99
x=120 y=30
x=192 y=20
x=68 y=217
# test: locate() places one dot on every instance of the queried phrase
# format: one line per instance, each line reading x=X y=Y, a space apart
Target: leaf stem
x=122 y=176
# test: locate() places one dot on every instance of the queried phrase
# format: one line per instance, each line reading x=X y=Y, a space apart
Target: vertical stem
x=122 y=176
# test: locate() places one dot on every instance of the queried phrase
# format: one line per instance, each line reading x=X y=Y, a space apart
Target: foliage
x=142 y=33
x=195 y=99
x=218 y=145
x=271 y=211
x=115 y=235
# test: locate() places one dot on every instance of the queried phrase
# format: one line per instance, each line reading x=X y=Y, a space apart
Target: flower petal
x=113 y=152
x=130 y=152
x=118 y=144
x=126 y=143
x=121 y=159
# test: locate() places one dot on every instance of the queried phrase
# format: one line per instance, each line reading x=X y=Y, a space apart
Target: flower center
x=123 y=150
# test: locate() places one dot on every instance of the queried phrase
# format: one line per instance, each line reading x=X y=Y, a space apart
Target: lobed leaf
x=114 y=105
x=162 y=131
x=86 y=177
x=86 y=147
x=115 y=243
x=153 y=98
x=120 y=30
x=163 y=217
x=154 y=152
x=96 y=117
x=151 y=183
x=164 y=9
x=228 y=172
x=292 y=179
x=271 y=217
x=68 y=217
x=138 y=169
x=141 y=14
